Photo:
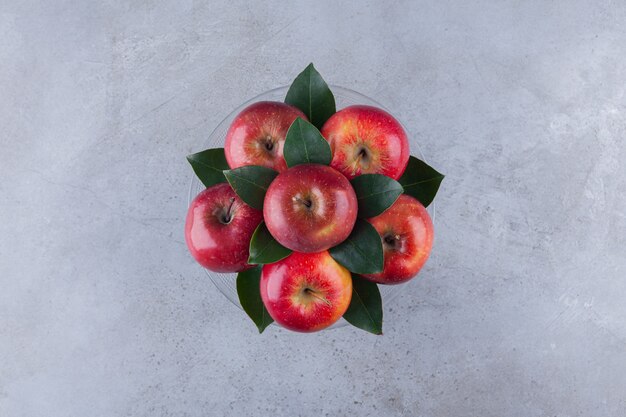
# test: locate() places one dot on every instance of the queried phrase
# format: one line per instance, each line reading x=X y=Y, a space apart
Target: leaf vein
x=422 y=181
x=206 y=165
x=363 y=254
x=373 y=322
x=393 y=190
x=237 y=177
x=310 y=100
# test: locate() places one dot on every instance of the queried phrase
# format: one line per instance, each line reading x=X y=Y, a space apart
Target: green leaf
x=421 y=181
x=366 y=307
x=304 y=144
x=251 y=183
x=310 y=93
x=209 y=166
x=264 y=249
x=375 y=193
x=362 y=251
x=249 y=291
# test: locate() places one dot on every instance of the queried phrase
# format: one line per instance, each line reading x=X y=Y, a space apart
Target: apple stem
x=392 y=241
x=362 y=154
x=319 y=297
x=228 y=216
x=307 y=203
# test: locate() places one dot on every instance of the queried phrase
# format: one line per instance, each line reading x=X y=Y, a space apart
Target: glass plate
x=344 y=97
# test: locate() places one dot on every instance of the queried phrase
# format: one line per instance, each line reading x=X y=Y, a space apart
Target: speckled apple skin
x=217 y=246
x=357 y=127
x=282 y=291
x=326 y=223
x=408 y=219
x=253 y=127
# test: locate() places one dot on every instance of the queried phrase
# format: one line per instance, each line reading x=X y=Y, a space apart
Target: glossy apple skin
x=407 y=234
x=310 y=208
x=257 y=135
x=306 y=292
x=218 y=229
x=367 y=140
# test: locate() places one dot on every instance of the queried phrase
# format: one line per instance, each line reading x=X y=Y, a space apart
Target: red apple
x=310 y=208
x=366 y=140
x=306 y=292
x=257 y=135
x=218 y=229
x=407 y=234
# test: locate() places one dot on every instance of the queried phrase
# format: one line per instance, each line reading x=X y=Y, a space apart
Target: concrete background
x=520 y=311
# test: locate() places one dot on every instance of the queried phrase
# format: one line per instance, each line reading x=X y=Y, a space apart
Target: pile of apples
x=313 y=208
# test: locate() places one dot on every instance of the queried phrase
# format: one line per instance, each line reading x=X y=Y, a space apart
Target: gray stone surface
x=519 y=312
